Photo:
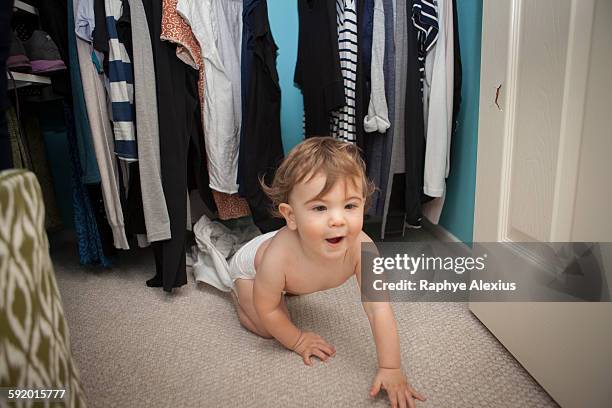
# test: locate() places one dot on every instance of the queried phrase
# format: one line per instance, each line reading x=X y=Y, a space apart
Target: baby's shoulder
x=362 y=238
x=278 y=252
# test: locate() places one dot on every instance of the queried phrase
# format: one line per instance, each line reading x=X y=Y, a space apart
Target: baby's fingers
x=410 y=399
x=393 y=399
x=375 y=387
x=401 y=399
x=416 y=394
x=327 y=348
x=320 y=354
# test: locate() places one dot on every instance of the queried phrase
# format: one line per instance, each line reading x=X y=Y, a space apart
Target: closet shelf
x=22 y=80
x=25 y=7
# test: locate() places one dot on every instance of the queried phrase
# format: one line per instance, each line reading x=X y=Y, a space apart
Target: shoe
x=43 y=53
x=415 y=224
x=18 y=60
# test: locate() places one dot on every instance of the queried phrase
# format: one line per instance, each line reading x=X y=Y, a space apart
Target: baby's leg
x=246 y=310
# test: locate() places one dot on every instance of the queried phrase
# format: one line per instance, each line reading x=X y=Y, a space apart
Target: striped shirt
x=121 y=87
x=425 y=19
x=343 y=121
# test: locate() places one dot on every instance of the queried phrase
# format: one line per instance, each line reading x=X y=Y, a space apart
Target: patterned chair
x=34 y=340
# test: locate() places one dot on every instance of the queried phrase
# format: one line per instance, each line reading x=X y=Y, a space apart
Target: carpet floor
x=140 y=347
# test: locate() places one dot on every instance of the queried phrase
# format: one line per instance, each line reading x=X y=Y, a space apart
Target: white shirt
x=440 y=63
x=377 y=119
x=438 y=102
x=217 y=25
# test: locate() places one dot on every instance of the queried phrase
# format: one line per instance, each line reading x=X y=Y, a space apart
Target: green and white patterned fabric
x=34 y=340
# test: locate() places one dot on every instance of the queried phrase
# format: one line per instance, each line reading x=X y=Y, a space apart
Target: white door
x=544 y=174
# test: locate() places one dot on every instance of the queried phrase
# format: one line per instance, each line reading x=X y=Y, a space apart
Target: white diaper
x=242 y=264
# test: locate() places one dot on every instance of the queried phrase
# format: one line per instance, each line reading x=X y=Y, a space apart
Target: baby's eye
x=320 y=208
x=351 y=206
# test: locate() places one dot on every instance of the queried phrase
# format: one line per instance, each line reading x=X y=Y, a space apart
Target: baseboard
x=443 y=234
x=439 y=231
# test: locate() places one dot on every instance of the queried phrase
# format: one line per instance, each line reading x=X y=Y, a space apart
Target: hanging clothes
x=99 y=231
x=85 y=224
x=102 y=139
x=408 y=148
x=413 y=123
x=378 y=147
x=91 y=173
x=440 y=112
x=343 y=121
x=317 y=70
x=218 y=27
x=365 y=17
x=100 y=35
x=377 y=119
x=230 y=206
x=121 y=87
x=261 y=151
x=156 y=218
x=176 y=30
x=175 y=106
x=84 y=19
x=457 y=71
x=425 y=19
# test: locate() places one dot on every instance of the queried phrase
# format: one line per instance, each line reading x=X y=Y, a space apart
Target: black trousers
x=174 y=106
x=415 y=128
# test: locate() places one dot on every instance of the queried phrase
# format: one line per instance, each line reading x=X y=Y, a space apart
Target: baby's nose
x=336 y=219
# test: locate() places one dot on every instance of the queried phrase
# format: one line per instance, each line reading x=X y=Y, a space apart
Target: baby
x=320 y=190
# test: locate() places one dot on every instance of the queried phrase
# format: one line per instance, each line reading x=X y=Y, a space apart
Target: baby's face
x=328 y=225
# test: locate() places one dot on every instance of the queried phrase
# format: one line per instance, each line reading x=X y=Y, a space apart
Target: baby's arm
x=267 y=298
x=384 y=328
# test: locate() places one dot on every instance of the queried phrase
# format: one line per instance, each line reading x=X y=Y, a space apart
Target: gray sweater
x=103 y=140
x=156 y=217
x=377 y=119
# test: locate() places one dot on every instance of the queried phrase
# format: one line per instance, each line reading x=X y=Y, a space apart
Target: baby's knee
x=248 y=324
x=264 y=334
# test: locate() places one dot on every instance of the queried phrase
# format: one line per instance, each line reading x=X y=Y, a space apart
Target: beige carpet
x=138 y=347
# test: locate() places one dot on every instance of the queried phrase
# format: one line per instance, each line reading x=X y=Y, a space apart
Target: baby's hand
x=311 y=344
x=400 y=393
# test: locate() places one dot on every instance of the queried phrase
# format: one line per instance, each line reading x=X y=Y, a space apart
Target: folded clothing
x=18 y=60
x=43 y=53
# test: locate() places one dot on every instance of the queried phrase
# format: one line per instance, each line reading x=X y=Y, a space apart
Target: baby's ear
x=287 y=213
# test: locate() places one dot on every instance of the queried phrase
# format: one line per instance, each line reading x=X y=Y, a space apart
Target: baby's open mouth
x=334 y=240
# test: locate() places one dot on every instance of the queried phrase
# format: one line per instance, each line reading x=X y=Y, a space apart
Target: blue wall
x=458 y=214
x=283 y=18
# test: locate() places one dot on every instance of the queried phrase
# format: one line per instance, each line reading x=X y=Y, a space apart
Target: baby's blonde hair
x=333 y=158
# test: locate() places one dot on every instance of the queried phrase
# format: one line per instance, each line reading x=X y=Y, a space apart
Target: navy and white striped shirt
x=343 y=121
x=121 y=87
x=425 y=19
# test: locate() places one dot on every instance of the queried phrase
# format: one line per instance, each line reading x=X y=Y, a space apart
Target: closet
x=178 y=108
